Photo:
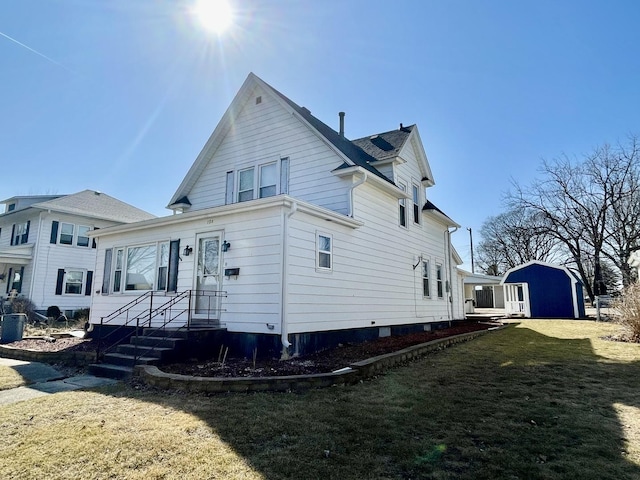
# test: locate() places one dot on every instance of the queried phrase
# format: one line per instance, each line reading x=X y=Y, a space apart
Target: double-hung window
x=163 y=266
x=426 y=289
x=20 y=233
x=439 y=283
x=415 y=191
x=268 y=177
x=82 y=240
x=324 y=246
x=73 y=282
x=66 y=233
x=245 y=184
x=403 y=206
x=117 y=271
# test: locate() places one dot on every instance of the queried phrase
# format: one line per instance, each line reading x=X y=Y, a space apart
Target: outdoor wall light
x=226 y=246
x=187 y=251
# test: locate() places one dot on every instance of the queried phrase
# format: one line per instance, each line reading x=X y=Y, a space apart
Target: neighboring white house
x=46 y=254
x=484 y=290
x=285 y=229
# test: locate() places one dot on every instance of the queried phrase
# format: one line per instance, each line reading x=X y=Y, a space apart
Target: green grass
x=541 y=400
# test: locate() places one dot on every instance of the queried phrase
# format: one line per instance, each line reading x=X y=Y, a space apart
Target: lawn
x=538 y=400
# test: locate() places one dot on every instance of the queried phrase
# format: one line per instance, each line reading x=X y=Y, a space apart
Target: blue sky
x=121 y=95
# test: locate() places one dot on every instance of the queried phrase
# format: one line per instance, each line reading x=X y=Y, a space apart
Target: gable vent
x=258 y=100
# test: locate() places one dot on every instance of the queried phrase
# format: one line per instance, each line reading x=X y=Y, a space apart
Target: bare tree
x=513 y=238
x=591 y=206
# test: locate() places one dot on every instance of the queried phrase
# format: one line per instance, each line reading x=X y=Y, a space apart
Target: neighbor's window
x=439 y=283
x=73 y=282
x=268 y=178
x=245 y=185
x=20 y=233
x=415 y=190
x=403 y=206
x=163 y=266
x=426 y=290
x=66 y=233
x=141 y=265
x=117 y=272
x=82 y=240
x=325 y=251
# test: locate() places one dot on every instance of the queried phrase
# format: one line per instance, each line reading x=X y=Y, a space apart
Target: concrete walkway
x=43 y=379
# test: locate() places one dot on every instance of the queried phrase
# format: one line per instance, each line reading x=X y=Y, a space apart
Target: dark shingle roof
x=384 y=145
x=430 y=206
x=356 y=154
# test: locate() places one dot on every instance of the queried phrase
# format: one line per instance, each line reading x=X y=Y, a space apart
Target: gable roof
x=572 y=275
x=351 y=153
x=384 y=145
x=90 y=203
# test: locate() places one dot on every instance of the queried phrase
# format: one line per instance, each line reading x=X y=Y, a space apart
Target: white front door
x=208 y=277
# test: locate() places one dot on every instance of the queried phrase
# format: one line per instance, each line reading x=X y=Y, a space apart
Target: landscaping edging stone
x=153 y=376
x=67 y=358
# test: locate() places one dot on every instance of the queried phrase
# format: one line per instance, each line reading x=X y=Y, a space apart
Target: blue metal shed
x=543 y=290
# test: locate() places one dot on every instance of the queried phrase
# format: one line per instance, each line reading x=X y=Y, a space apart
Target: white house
x=286 y=231
x=46 y=254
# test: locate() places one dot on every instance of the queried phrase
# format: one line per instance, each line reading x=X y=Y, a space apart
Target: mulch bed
x=319 y=362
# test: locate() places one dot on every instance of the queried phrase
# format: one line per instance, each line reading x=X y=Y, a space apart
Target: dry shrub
x=628 y=307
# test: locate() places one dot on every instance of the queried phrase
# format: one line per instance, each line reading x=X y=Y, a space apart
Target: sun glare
x=214 y=15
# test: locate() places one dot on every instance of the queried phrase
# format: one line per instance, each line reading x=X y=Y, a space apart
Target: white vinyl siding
x=266 y=133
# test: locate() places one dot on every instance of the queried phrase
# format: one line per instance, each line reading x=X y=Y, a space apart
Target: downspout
x=285 y=290
x=448 y=233
x=352 y=188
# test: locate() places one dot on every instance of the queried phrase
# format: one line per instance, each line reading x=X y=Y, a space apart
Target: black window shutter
x=19 y=286
x=174 y=257
x=87 y=288
x=106 y=278
x=9 y=280
x=94 y=244
x=25 y=235
x=54 y=232
x=59 y=281
x=13 y=232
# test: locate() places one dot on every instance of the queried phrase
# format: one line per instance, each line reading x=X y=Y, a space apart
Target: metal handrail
x=143 y=319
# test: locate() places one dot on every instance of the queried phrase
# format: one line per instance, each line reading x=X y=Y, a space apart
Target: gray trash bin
x=12 y=327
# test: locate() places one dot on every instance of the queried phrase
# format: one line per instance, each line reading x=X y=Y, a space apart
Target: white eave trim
x=387 y=187
x=232 y=209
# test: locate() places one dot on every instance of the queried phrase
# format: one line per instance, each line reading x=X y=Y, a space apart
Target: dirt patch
x=70 y=344
x=319 y=362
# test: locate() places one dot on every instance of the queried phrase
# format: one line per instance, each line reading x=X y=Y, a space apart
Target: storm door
x=208 y=278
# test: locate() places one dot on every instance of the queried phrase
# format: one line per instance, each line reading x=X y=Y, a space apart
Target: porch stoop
x=151 y=348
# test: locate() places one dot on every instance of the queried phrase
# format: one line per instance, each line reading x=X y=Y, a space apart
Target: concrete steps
x=151 y=348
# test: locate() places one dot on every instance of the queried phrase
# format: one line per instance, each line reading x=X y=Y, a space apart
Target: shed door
x=208 y=277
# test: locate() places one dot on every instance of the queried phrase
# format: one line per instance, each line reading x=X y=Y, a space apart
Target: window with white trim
x=66 y=233
x=20 y=233
x=163 y=266
x=82 y=239
x=268 y=180
x=245 y=184
x=439 y=281
x=117 y=271
x=73 y=282
x=140 y=267
x=402 y=203
x=426 y=288
x=415 y=193
x=324 y=251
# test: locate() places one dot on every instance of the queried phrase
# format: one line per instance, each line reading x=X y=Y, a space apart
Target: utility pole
x=471 y=242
